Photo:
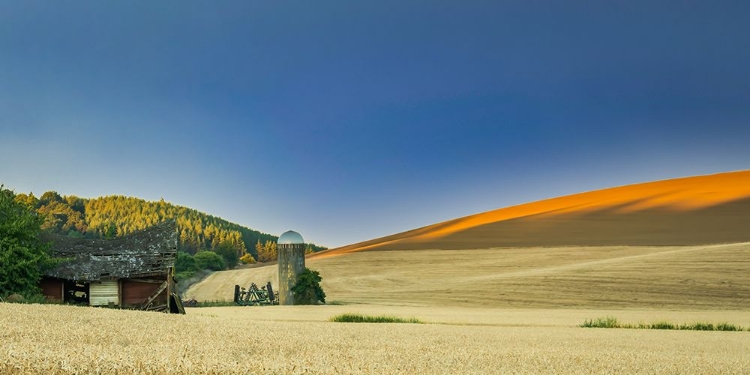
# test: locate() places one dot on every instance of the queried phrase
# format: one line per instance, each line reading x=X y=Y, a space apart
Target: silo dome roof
x=290 y=237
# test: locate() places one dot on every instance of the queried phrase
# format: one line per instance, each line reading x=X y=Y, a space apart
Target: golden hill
x=685 y=211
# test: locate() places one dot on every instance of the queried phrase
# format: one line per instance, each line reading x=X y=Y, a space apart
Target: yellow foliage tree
x=247 y=259
x=267 y=251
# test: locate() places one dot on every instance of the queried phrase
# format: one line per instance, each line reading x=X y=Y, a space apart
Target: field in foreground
x=59 y=339
x=707 y=277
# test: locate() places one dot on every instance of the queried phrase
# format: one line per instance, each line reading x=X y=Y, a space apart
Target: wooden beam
x=156 y=294
x=152 y=281
x=169 y=286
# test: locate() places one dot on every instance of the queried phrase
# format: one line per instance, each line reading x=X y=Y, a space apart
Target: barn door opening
x=76 y=292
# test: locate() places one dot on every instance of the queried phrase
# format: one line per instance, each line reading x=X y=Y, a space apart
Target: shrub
x=184 y=262
x=184 y=275
x=15 y=298
x=208 y=260
x=307 y=290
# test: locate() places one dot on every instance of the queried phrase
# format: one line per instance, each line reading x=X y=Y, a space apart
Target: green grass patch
x=663 y=325
x=359 y=318
x=215 y=303
x=612 y=322
x=608 y=322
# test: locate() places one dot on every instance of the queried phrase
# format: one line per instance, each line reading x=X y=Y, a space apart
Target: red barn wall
x=52 y=289
x=135 y=294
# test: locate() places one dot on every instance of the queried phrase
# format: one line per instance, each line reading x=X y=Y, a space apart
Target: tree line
x=114 y=216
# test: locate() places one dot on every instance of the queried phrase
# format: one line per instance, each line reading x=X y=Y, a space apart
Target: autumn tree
x=266 y=252
x=248 y=259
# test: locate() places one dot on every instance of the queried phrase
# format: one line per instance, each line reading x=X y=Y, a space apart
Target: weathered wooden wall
x=52 y=289
x=135 y=293
x=104 y=293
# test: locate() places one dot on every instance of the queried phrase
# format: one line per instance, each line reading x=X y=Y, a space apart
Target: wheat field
x=51 y=339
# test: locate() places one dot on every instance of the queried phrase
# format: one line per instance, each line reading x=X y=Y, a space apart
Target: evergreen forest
x=114 y=216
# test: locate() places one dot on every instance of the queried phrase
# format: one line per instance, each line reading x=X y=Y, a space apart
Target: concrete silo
x=291 y=250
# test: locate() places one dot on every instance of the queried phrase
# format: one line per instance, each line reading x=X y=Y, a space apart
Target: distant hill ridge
x=116 y=215
x=683 y=211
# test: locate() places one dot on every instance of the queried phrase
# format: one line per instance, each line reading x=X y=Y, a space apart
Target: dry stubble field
x=706 y=277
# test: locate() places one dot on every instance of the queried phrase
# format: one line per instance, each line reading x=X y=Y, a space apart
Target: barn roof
x=145 y=253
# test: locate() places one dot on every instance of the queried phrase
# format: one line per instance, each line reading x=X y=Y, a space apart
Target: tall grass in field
x=607 y=322
x=215 y=303
x=612 y=322
x=359 y=318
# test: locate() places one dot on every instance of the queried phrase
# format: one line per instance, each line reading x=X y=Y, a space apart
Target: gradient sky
x=349 y=120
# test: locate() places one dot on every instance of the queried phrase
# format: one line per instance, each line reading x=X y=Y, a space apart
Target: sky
x=351 y=120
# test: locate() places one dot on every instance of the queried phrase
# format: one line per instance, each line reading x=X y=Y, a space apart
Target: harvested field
x=707 y=277
x=64 y=340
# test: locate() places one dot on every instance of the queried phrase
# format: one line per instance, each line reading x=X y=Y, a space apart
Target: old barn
x=130 y=272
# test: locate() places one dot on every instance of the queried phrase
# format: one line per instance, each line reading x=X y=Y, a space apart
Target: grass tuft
x=703 y=327
x=612 y=322
x=359 y=318
x=727 y=327
x=608 y=322
x=663 y=325
x=215 y=303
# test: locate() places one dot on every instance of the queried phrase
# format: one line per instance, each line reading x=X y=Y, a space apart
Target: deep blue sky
x=349 y=120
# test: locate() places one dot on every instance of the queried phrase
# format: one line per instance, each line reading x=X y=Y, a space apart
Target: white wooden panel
x=104 y=293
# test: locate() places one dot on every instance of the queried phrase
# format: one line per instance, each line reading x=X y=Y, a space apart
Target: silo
x=291 y=250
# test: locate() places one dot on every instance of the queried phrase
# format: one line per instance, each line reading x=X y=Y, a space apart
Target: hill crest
x=682 y=211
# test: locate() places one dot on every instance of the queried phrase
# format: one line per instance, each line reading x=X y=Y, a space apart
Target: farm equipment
x=254 y=296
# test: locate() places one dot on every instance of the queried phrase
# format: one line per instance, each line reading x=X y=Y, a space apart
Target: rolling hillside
x=685 y=211
x=676 y=244
x=704 y=277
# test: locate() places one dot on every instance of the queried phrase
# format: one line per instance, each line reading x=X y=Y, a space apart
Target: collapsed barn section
x=130 y=272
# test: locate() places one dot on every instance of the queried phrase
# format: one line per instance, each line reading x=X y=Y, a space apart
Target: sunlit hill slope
x=684 y=211
x=676 y=244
